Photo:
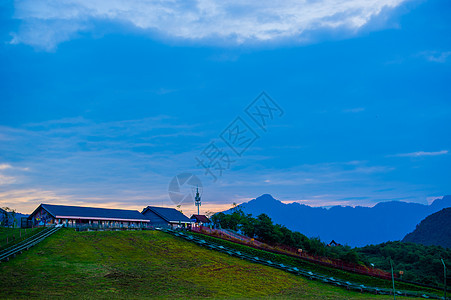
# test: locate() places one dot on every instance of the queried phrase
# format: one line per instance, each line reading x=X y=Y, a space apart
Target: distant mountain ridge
x=355 y=226
x=434 y=230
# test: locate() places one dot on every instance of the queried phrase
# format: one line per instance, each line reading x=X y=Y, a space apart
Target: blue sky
x=104 y=102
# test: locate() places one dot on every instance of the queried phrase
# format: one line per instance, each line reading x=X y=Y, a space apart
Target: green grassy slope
x=138 y=264
x=324 y=270
x=11 y=236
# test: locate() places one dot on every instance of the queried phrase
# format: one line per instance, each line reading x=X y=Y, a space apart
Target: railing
x=84 y=227
x=297 y=271
x=282 y=249
x=27 y=244
x=227 y=234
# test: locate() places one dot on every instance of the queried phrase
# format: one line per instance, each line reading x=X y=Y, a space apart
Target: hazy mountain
x=434 y=230
x=355 y=226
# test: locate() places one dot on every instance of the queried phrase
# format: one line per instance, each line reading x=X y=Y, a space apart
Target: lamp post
x=444 y=275
x=393 y=280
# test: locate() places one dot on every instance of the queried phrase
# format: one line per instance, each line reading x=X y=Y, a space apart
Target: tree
x=209 y=214
x=248 y=225
x=219 y=220
x=266 y=231
x=8 y=217
x=317 y=247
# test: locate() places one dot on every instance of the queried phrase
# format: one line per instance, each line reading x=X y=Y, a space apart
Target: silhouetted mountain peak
x=441 y=203
x=266 y=198
x=356 y=226
x=433 y=230
x=396 y=204
x=262 y=203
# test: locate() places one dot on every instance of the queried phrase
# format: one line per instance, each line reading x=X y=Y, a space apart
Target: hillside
x=434 y=230
x=138 y=264
x=354 y=226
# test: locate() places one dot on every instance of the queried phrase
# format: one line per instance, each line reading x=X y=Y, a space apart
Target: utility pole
x=393 y=280
x=444 y=275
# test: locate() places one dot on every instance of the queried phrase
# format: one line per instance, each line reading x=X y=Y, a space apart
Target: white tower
x=197 y=201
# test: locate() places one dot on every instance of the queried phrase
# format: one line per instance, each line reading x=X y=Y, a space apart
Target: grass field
x=11 y=236
x=348 y=276
x=143 y=264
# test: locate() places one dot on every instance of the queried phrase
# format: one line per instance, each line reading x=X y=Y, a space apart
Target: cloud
x=10 y=174
x=354 y=110
x=436 y=56
x=431 y=199
x=26 y=200
x=420 y=154
x=118 y=164
x=47 y=23
x=307 y=178
x=5 y=166
x=4 y=180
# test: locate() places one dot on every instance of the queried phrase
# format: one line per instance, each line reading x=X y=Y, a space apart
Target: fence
x=12 y=251
x=294 y=270
x=85 y=227
x=293 y=252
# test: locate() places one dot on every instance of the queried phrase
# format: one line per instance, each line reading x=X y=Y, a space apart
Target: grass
x=11 y=236
x=336 y=273
x=144 y=264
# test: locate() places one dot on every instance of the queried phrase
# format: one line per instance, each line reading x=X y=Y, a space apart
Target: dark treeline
x=263 y=229
x=417 y=262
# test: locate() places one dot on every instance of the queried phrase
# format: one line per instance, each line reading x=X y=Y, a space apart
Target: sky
x=327 y=102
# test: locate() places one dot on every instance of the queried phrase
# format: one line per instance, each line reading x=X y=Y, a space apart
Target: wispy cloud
x=120 y=164
x=4 y=180
x=354 y=110
x=47 y=23
x=10 y=174
x=5 y=166
x=420 y=154
x=436 y=56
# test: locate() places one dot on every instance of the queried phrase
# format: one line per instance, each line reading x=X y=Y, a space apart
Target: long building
x=78 y=216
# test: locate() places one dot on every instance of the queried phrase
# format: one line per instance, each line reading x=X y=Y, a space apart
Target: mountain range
x=434 y=230
x=354 y=226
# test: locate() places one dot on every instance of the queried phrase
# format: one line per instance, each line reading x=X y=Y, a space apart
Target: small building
x=78 y=216
x=166 y=217
x=201 y=220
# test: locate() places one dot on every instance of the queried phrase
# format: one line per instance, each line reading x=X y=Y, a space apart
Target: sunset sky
x=104 y=102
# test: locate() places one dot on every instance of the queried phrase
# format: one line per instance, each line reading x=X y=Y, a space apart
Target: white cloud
x=7 y=179
x=421 y=153
x=4 y=180
x=5 y=166
x=431 y=199
x=47 y=23
x=436 y=56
